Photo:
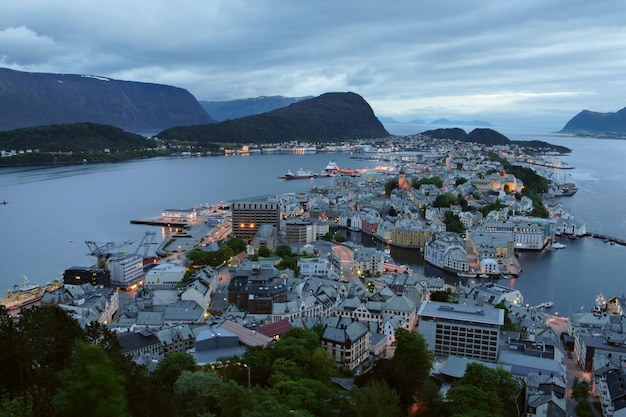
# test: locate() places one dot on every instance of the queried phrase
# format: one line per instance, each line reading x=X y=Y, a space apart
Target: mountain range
x=490 y=137
x=36 y=99
x=590 y=123
x=331 y=117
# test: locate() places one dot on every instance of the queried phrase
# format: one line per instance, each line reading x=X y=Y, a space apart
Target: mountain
x=490 y=137
x=589 y=123
x=234 y=109
x=328 y=118
x=460 y=123
x=73 y=137
x=35 y=99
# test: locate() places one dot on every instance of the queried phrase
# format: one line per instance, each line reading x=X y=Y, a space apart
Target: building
x=165 y=274
x=247 y=216
x=349 y=345
x=256 y=287
x=410 y=236
x=126 y=270
x=369 y=260
x=79 y=275
x=176 y=338
x=140 y=345
x=613 y=393
x=461 y=330
x=315 y=267
x=265 y=237
x=299 y=231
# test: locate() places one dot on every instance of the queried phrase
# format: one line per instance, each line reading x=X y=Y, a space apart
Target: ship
x=300 y=174
x=566 y=189
x=557 y=245
x=26 y=294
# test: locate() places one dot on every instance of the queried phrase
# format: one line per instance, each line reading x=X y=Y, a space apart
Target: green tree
x=445 y=200
x=172 y=366
x=90 y=386
x=508 y=323
x=375 y=399
x=464 y=399
x=412 y=354
x=339 y=238
x=453 y=222
x=265 y=252
x=238 y=245
x=285 y=250
x=583 y=408
x=489 y=390
x=390 y=186
x=580 y=389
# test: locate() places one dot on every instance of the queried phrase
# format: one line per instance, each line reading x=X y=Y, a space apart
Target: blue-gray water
x=52 y=211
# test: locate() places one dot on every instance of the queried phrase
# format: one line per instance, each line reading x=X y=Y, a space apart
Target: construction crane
x=147 y=242
x=104 y=251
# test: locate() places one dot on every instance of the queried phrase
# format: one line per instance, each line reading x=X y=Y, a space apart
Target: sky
x=506 y=62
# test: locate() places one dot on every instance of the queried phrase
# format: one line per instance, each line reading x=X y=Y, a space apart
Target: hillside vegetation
x=328 y=118
x=73 y=143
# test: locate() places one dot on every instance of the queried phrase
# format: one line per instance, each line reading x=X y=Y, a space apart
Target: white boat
x=557 y=245
x=300 y=174
x=547 y=304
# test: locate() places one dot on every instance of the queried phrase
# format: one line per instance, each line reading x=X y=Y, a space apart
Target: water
x=52 y=211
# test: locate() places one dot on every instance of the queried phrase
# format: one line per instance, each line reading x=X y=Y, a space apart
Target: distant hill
x=75 y=137
x=234 y=109
x=490 y=137
x=589 y=123
x=447 y=122
x=327 y=118
x=35 y=99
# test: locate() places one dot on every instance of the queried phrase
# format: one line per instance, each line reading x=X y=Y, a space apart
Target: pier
x=608 y=239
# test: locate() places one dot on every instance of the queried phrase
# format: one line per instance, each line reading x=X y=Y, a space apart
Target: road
x=346 y=263
x=559 y=325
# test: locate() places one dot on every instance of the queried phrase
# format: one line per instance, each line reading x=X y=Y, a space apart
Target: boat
x=26 y=294
x=547 y=304
x=300 y=174
x=332 y=167
x=566 y=189
x=600 y=302
x=557 y=245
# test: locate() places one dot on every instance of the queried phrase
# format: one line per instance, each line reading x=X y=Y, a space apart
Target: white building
x=165 y=274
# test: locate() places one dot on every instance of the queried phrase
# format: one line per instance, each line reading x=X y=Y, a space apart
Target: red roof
x=276 y=328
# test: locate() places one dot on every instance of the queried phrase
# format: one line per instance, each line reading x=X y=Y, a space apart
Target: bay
x=52 y=211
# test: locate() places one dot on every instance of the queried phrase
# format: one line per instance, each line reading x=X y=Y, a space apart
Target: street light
x=248 y=368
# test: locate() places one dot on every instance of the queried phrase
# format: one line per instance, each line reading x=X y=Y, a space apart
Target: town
x=459 y=205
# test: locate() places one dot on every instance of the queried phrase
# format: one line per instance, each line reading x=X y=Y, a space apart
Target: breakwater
x=608 y=239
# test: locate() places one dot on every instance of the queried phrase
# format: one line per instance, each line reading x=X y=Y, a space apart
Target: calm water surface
x=52 y=211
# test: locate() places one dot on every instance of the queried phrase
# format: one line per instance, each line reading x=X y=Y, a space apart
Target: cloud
x=409 y=59
x=22 y=46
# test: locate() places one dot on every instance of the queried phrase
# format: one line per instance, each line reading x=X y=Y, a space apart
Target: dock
x=609 y=239
x=160 y=221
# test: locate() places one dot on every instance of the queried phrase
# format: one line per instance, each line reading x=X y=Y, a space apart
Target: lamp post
x=248 y=368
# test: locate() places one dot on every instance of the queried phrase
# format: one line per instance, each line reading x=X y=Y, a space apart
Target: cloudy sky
x=508 y=62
